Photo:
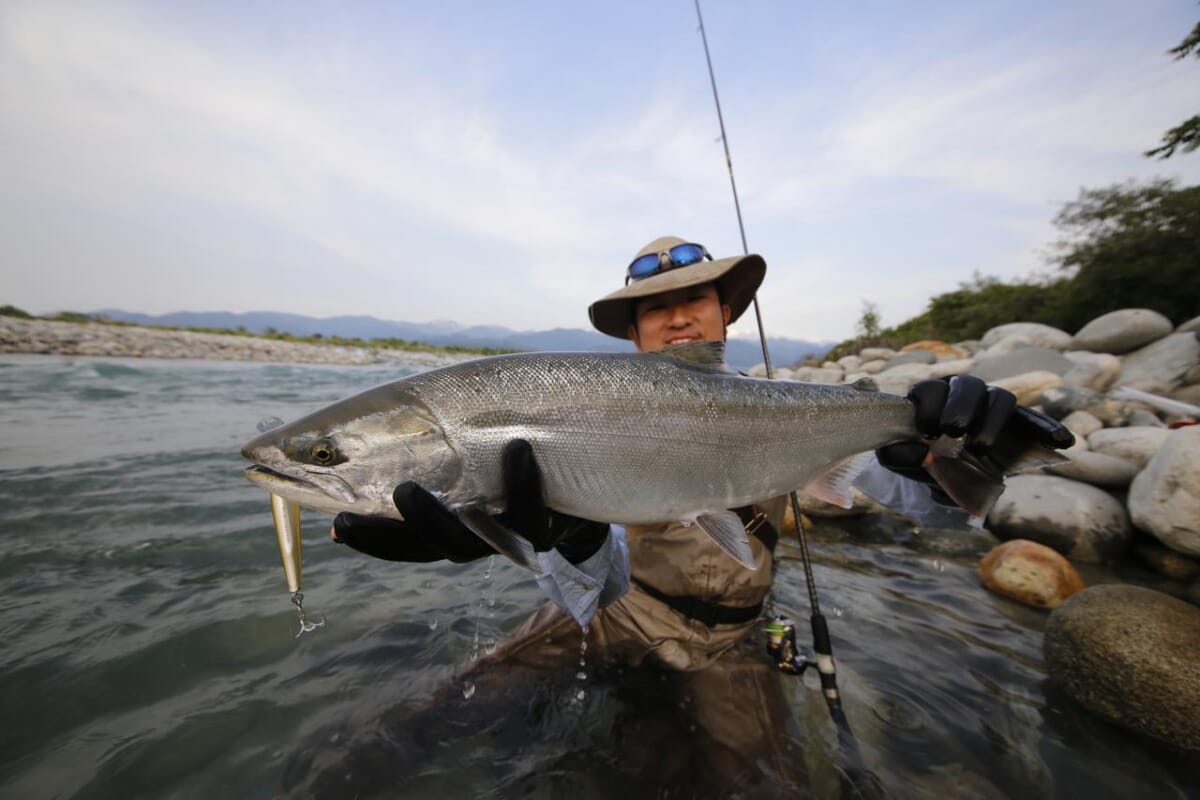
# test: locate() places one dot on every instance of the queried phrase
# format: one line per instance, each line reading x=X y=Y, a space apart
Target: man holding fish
x=665 y=592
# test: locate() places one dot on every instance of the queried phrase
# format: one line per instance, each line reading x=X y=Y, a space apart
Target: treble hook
x=305 y=625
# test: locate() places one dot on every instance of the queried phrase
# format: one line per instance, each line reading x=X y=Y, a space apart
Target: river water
x=147 y=648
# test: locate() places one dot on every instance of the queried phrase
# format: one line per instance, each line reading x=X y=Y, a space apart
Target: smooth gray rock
x=1097 y=469
x=1121 y=331
x=1141 y=418
x=1191 y=326
x=1187 y=394
x=1160 y=367
x=1132 y=444
x=1008 y=344
x=1028 y=359
x=1060 y=401
x=1040 y=335
x=1092 y=370
x=1080 y=521
x=912 y=357
x=1132 y=656
x=1028 y=386
x=876 y=353
x=1164 y=499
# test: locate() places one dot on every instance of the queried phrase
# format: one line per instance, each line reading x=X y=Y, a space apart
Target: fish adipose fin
x=727 y=530
x=507 y=543
x=834 y=484
x=710 y=355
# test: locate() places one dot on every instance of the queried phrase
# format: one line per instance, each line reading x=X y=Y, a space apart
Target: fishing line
x=822 y=645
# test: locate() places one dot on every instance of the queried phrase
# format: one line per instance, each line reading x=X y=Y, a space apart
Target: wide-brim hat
x=737 y=279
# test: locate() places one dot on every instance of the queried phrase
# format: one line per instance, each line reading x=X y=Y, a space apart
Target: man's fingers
x=1049 y=432
x=966 y=401
x=526 y=508
x=435 y=526
x=1001 y=404
x=928 y=398
x=382 y=537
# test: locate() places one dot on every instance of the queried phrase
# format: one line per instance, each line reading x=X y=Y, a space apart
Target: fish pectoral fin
x=508 y=543
x=834 y=484
x=727 y=530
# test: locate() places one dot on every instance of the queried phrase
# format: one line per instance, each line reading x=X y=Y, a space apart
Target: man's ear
x=633 y=335
x=727 y=312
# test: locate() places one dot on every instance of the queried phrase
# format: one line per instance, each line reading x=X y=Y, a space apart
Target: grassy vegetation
x=1122 y=246
x=390 y=343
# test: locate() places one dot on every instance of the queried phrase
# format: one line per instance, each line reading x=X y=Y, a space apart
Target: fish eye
x=322 y=452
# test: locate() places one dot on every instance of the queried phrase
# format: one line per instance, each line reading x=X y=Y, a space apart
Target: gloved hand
x=966 y=406
x=431 y=532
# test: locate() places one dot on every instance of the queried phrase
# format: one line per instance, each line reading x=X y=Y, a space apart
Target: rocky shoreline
x=45 y=337
x=1127 y=385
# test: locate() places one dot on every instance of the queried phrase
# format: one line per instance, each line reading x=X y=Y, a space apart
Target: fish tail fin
x=976 y=480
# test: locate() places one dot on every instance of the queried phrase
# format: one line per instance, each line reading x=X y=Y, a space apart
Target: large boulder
x=1164 y=499
x=1097 y=469
x=1132 y=656
x=1191 y=326
x=1028 y=359
x=1040 y=335
x=1080 y=521
x=1160 y=367
x=817 y=375
x=1132 y=444
x=1121 y=331
x=873 y=353
x=1097 y=371
x=1029 y=386
x=1029 y=573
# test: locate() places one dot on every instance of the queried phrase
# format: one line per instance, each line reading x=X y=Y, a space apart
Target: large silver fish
x=623 y=438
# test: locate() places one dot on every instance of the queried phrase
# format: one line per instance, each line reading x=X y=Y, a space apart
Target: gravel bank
x=92 y=339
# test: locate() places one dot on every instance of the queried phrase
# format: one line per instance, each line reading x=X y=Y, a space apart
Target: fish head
x=351 y=455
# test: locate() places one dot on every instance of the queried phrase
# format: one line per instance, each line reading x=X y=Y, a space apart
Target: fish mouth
x=306 y=490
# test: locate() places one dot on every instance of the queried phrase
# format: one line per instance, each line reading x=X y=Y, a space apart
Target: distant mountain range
x=740 y=353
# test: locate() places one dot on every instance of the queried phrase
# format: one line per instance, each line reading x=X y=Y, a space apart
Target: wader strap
x=710 y=614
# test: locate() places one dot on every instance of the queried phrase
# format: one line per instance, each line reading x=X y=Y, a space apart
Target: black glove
x=966 y=406
x=431 y=532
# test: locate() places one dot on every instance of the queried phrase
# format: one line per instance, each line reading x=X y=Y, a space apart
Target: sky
x=500 y=163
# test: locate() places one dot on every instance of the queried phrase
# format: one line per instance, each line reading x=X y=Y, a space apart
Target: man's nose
x=678 y=314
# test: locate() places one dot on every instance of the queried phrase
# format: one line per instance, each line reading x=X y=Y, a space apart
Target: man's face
x=694 y=314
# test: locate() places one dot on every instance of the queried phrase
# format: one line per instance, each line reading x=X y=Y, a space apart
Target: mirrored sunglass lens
x=684 y=254
x=643 y=266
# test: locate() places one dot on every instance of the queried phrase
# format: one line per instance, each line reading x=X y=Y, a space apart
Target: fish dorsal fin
x=727 y=530
x=703 y=354
x=834 y=484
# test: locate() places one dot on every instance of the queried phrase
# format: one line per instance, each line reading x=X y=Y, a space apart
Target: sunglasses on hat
x=681 y=255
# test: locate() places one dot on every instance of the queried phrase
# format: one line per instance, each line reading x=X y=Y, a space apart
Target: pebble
x=1029 y=573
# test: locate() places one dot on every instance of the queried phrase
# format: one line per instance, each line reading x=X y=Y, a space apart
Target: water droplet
x=489 y=646
x=268 y=424
x=581 y=675
x=837 y=612
x=468 y=690
x=491 y=602
x=433 y=623
x=580 y=696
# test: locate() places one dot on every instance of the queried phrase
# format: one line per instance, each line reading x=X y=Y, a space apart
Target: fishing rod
x=822 y=644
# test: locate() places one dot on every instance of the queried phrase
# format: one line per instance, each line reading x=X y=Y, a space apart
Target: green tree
x=1186 y=135
x=13 y=311
x=868 y=324
x=1130 y=246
